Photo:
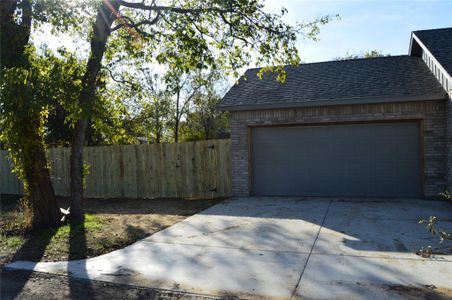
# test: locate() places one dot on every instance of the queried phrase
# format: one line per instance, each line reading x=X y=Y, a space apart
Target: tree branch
x=123 y=81
x=127 y=22
x=180 y=10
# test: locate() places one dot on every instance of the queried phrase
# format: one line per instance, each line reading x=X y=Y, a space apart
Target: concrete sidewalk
x=282 y=248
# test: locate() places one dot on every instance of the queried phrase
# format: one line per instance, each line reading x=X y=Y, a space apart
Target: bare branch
x=123 y=81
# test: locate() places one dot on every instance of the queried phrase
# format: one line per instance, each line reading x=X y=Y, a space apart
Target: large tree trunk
x=46 y=212
x=106 y=14
x=14 y=38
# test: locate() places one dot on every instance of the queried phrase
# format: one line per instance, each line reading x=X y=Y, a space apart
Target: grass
x=54 y=241
x=12 y=241
x=109 y=224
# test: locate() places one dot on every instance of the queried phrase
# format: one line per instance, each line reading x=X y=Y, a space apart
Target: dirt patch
x=25 y=285
x=110 y=224
x=427 y=292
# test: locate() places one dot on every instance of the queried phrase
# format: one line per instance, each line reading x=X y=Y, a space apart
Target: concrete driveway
x=283 y=248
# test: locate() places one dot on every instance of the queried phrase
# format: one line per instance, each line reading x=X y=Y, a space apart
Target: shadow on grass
x=33 y=250
x=135 y=233
x=13 y=282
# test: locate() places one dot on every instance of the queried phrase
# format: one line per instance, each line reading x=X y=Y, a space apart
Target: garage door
x=370 y=160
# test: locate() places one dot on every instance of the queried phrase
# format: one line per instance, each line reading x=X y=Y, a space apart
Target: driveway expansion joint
x=312 y=249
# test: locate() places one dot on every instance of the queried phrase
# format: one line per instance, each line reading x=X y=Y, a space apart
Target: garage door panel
x=375 y=160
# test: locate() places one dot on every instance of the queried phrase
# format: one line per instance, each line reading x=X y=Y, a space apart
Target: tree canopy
x=185 y=40
x=365 y=54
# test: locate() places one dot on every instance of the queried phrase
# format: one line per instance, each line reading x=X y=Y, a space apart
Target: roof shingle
x=439 y=43
x=335 y=83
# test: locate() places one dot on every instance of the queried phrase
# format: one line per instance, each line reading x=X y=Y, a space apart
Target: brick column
x=449 y=144
x=239 y=158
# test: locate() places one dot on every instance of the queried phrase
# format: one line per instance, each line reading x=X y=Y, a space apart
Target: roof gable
x=439 y=43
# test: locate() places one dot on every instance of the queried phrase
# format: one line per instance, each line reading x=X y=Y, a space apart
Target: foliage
x=193 y=34
x=203 y=120
x=65 y=82
x=107 y=115
x=183 y=36
x=367 y=54
x=187 y=101
x=190 y=40
x=432 y=227
x=447 y=195
x=184 y=88
x=184 y=105
x=107 y=121
x=150 y=107
x=153 y=120
x=27 y=95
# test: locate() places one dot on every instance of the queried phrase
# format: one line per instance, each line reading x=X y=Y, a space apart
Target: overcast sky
x=382 y=25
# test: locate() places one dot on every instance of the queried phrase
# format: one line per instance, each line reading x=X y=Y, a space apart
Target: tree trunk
x=177 y=118
x=14 y=38
x=106 y=14
x=77 y=171
x=46 y=212
x=158 y=134
x=176 y=130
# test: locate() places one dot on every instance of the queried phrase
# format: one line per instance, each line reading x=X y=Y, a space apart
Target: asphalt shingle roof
x=335 y=82
x=439 y=43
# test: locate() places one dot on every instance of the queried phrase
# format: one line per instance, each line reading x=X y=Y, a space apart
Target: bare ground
x=110 y=224
x=418 y=293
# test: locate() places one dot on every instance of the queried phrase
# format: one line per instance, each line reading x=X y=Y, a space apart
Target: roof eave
x=336 y=102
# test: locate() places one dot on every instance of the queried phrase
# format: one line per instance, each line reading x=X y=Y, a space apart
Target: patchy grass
x=109 y=224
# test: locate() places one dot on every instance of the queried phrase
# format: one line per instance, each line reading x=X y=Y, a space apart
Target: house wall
x=449 y=141
x=446 y=81
x=433 y=114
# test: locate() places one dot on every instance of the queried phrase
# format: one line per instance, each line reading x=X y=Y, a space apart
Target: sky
x=382 y=25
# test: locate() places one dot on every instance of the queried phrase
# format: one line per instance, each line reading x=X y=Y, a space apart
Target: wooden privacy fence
x=189 y=170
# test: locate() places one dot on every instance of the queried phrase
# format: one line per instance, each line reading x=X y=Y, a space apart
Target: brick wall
x=446 y=81
x=449 y=139
x=432 y=112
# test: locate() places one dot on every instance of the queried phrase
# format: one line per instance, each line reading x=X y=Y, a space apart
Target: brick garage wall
x=446 y=81
x=449 y=139
x=432 y=112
